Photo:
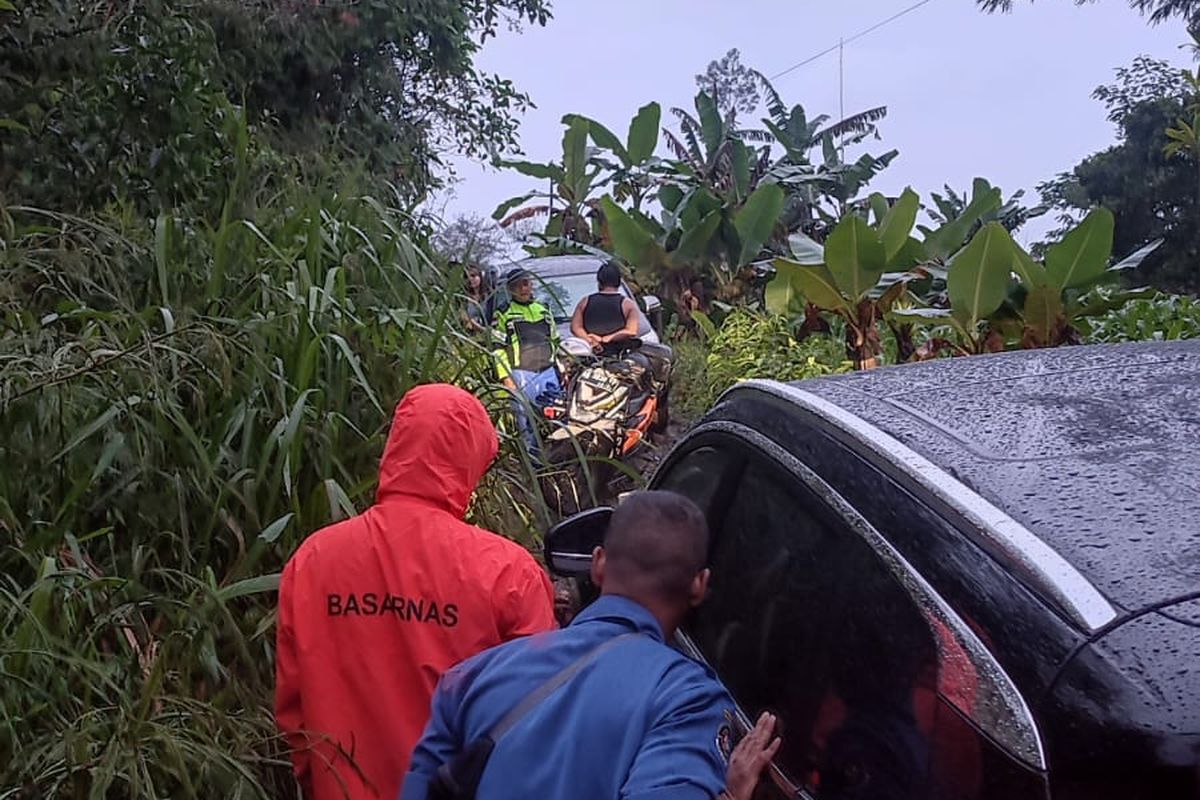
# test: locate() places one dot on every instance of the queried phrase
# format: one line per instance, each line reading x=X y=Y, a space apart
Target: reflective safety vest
x=526 y=337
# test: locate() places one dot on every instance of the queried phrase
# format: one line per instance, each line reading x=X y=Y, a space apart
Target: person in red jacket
x=374 y=609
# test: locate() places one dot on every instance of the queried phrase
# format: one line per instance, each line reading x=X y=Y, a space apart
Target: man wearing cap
x=526 y=339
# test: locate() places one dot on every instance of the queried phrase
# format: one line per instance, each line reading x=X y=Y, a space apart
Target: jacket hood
x=440 y=444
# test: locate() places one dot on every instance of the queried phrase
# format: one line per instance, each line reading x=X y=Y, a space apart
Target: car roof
x=1094 y=450
x=559 y=266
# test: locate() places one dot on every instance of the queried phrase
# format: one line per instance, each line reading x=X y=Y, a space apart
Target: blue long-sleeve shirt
x=640 y=721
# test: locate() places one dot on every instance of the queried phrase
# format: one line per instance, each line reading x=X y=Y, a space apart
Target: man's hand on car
x=751 y=756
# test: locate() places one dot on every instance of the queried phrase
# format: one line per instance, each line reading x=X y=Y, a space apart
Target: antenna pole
x=842 y=94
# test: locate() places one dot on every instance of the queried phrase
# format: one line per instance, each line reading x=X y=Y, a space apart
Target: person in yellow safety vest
x=526 y=339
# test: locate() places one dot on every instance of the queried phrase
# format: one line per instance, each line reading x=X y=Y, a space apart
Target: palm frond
x=858 y=123
x=525 y=213
x=753 y=135
x=693 y=135
x=678 y=149
x=775 y=106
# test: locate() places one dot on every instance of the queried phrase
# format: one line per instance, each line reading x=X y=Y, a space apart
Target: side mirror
x=569 y=544
x=654 y=312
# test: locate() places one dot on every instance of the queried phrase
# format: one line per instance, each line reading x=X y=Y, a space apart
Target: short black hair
x=609 y=275
x=657 y=541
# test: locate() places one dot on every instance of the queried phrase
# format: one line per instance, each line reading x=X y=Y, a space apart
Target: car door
x=811 y=616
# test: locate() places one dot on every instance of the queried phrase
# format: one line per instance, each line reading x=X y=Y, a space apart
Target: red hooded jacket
x=374 y=609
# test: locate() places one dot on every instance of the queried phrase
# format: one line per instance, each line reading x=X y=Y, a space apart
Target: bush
x=1163 y=317
x=180 y=406
x=750 y=345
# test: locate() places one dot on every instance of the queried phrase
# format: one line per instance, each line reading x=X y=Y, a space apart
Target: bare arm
x=577 y=329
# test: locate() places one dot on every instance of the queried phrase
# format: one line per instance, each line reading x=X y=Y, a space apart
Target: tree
x=131 y=100
x=635 y=170
x=1185 y=135
x=1012 y=215
x=1158 y=10
x=470 y=238
x=574 y=179
x=733 y=86
x=818 y=193
x=1152 y=190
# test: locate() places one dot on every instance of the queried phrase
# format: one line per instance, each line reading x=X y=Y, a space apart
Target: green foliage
x=1152 y=188
x=848 y=277
x=754 y=345
x=726 y=199
x=573 y=178
x=819 y=192
x=182 y=401
x=1012 y=215
x=689 y=379
x=1043 y=306
x=959 y=221
x=1184 y=138
x=707 y=232
x=129 y=100
x=978 y=278
x=636 y=169
x=856 y=257
x=1162 y=317
x=1157 y=10
x=1081 y=258
x=963 y=287
x=169 y=438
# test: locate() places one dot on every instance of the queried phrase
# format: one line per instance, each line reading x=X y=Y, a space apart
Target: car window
x=704 y=475
x=803 y=620
x=562 y=293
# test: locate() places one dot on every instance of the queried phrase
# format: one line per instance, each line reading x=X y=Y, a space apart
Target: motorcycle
x=612 y=401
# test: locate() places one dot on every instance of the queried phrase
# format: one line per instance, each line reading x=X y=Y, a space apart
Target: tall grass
x=181 y=402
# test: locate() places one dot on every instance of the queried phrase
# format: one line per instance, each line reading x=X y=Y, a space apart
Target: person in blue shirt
x=640 y=721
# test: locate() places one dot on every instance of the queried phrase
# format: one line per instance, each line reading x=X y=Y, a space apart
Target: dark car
x=969 y=578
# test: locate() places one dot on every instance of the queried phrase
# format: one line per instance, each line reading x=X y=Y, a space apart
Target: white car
x=560 y=282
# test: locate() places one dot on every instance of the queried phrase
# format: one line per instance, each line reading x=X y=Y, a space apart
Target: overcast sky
x=1006 y=97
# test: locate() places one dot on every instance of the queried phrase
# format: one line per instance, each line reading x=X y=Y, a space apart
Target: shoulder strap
x=546 y=689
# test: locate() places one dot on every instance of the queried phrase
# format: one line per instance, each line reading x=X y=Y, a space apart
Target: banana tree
x=700 y=234
x=1001 y=296
x=716 y=212
x=811 y=186
x=858 y=274
x=574 y=179
x=1012 y=214
x=713 y=151
x=1184 y=137
x=633 y=174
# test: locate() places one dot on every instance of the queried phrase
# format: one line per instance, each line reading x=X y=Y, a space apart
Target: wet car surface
x=971 y=578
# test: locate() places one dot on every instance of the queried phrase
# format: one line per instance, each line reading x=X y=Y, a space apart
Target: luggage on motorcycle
x=659 y=356
x=596 y=405
x=611 y=397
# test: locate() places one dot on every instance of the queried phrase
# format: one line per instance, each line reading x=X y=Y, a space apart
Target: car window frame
x=1028 y=748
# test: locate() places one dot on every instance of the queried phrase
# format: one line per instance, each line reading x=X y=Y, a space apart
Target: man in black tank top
x=608 y=315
